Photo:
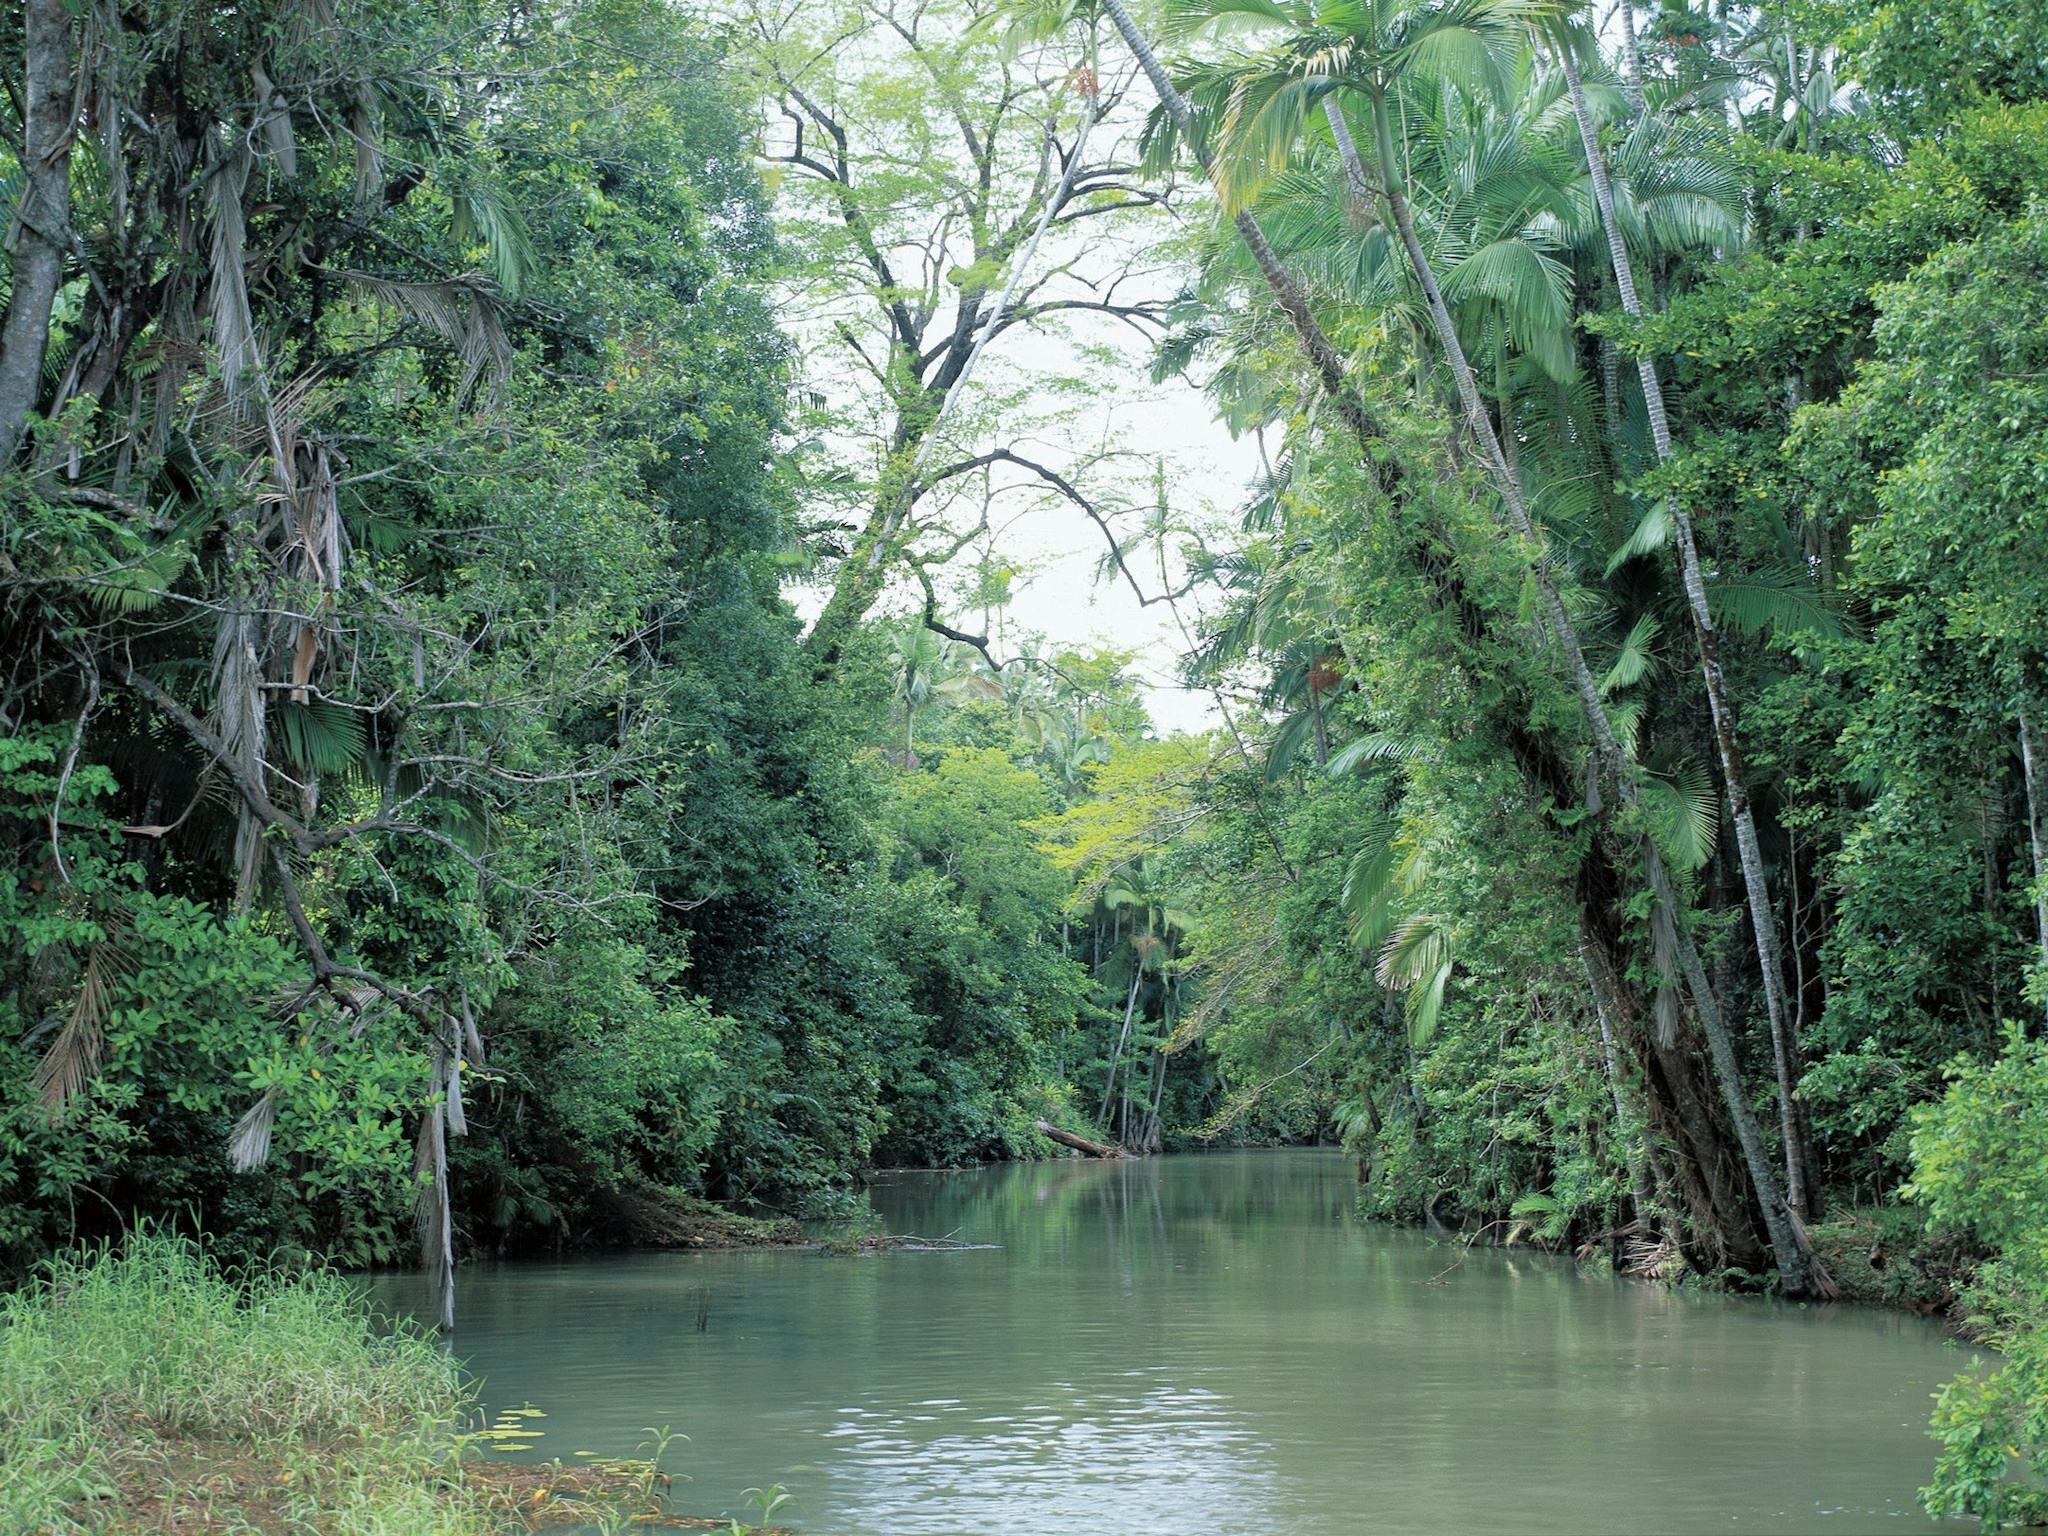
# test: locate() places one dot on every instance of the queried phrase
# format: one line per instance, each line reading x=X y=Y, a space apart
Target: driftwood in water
x=1078 y=1143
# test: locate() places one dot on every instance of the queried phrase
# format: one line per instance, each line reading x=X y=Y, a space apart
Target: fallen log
x=1078 y=1143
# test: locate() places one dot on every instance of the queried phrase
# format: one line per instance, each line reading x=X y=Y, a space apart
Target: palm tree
x=1721 y=706
x=1378 y=52
x=920 y=663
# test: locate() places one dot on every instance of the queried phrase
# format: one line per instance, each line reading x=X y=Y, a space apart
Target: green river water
x=1209 y=1344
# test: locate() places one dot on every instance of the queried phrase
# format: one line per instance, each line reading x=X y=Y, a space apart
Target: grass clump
x=145 y=1390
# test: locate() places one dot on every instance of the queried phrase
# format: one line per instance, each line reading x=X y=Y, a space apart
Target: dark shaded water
x=1209 y=1344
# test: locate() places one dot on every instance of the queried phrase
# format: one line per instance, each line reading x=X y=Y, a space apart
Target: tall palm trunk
x=42 y=236
x=1762 y=916
x=1632 y=59
x=1793 y=1267
x=2034 y=772
x=1671 y=935
x=1116 y=1056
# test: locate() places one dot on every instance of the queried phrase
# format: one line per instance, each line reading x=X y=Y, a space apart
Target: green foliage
x=1925 y=60
x=974 y=925
x=490 y=787
x=1978 y=1161
x=108 y=1362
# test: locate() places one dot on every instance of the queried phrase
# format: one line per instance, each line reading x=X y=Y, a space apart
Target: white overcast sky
x=1062 y=595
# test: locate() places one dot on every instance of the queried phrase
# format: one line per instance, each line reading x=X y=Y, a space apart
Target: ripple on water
x=1205 y=1345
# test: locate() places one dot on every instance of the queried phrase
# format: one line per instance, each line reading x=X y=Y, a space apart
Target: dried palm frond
x=249 y=1143
x=458 y=1121
x=240 y=715
x=473 y=1041
x=74 y=1055
x=431 y=1215
x=362 y=127
x=1664 y=950
x=274 y=120
x=227 y=288
x=103 y=108
x=462 y=311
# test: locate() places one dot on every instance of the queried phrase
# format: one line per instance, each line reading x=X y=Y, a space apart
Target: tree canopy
x=525 y=725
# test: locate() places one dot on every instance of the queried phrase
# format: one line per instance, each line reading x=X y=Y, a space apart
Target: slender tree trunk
x=1504 y=403
x=1763 y=920
x=1990 y=828
x=2034 y=768
x=1791 y=1253
x=1632 y=59
x=1153 y=1140
x=42 y=233
x=1109 y=1085
x=1315 y=345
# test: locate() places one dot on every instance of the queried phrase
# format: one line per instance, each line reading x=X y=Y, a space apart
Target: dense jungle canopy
x=520 y=727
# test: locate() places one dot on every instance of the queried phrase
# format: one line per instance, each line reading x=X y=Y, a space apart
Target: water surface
x=1215 y=1345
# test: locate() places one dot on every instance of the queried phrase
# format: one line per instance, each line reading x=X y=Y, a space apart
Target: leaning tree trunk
x=42 y=237
x=1079 y=1143
x=1719 y=1227
x=1634 y=1138
x=1322 y=356
x=1762 y=916
x=1329 y=369
x=1791 y=1253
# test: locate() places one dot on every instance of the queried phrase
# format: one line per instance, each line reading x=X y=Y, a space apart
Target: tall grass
x=146 y=1385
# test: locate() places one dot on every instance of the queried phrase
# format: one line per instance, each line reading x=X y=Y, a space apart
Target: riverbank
x=147 y=1392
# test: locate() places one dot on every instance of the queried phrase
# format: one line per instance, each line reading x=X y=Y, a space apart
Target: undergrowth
x=146 y=1387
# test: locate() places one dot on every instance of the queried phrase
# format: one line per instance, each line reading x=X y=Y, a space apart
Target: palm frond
x=249 y=1142
x=320 y=736
x=1783 y=599
x=1379 y=747
x=73 y=1057
x=459 y=311
x=1425 y=1005
x=482 y=216
x=1652 y=532
x=1637 y=658
x=1295 y=732
x=1685 y=814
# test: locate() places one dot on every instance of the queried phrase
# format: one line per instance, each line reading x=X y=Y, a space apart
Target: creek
x=1213 y=1344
